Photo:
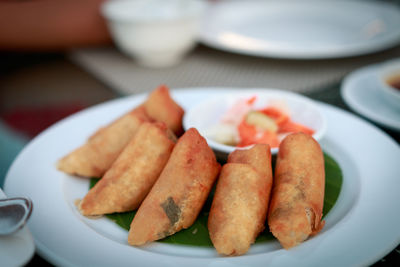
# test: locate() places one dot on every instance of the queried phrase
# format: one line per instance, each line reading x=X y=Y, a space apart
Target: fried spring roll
x=240 y=203
x=97 y=155
x=179 y=193
x=161 y=107
x=297 y=200
x=128 y=181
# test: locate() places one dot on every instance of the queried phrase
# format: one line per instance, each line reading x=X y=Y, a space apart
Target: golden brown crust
x=257 y=157
x=180 y=192
x=240 y=203
x=128 y=181
x=96 y=156
x=161 y=107
x=298 y=194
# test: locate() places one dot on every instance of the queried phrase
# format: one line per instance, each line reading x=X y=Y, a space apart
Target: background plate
x=360 y=90
x=309 y=29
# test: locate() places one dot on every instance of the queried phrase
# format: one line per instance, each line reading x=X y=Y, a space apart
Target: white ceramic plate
x=307 y=29
x=361 y=228
x=16 y=249
x=360 y=91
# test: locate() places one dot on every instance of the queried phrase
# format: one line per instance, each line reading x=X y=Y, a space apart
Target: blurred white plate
x=307 y=29
x=16 y=249
x=360 y=91
x=354 y=234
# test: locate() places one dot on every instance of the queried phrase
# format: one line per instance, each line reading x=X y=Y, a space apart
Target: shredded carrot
x=269 y=138
x=249 y=135
x=291 y=126
x=251 y=100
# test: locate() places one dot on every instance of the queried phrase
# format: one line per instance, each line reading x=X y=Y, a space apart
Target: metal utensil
x=14 y=213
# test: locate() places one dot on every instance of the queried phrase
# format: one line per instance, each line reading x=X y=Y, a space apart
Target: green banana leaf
x=197 y=234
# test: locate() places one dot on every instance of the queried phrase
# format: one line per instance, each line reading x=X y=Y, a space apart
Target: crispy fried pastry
x=179 y=193
x=128 y=181
x=240 y=203
x=297 y=200
x=97 y=155
x=161 y=107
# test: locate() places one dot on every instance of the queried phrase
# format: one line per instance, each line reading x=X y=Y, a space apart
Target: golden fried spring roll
x=130 y=178
x=297 y=199
x=161 y=107
x=240 y=203
x=179 y=193
x=96 y=156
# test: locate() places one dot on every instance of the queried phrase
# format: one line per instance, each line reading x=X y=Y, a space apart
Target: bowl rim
x=107 y=9
x=273 y=92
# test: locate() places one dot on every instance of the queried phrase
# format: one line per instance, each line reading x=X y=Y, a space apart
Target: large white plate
x=362 y=227
x=360 y=90
x=304 y=29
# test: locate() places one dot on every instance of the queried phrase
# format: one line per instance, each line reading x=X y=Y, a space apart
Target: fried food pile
x=146 y=162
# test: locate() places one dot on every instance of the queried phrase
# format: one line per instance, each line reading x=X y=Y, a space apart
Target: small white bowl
x=155 y=33
x=208 y=113
x=388 y=73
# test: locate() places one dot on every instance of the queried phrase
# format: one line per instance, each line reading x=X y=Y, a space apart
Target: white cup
x=155 y=33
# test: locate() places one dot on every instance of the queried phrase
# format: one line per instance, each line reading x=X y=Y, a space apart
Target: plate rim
x=348 y=87
x=183 y=91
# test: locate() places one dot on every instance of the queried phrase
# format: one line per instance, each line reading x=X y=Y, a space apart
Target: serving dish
x=65 y=238
x=208 y=113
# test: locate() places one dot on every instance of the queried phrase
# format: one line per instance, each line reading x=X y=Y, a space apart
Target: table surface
x=43 y=82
